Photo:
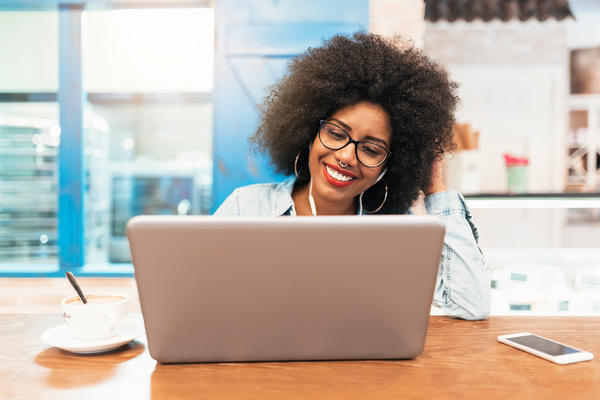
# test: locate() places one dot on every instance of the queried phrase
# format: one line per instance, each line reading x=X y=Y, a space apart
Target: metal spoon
x=73 y=282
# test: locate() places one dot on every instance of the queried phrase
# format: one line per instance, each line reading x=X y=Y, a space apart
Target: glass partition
x=544 y=254
x=29 y=143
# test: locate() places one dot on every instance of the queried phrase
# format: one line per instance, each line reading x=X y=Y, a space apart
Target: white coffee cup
x=99 y=318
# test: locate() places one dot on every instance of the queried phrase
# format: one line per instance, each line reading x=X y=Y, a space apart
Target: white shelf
x=539 y=202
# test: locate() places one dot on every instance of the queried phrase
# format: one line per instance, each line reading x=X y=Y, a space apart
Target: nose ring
x=343 y=165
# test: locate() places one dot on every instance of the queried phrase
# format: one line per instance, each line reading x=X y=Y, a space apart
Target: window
x=147 y=128
x=29 y=137
x=149 y=74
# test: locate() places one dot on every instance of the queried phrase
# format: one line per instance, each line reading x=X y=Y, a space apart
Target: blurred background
x=115 y=108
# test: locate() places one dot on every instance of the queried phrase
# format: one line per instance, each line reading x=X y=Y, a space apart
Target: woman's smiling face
x=337 y=175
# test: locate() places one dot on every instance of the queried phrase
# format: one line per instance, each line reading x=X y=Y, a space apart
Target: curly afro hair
x=413 y=90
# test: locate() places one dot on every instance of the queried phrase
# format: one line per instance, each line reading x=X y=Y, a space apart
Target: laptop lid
x=216 y=289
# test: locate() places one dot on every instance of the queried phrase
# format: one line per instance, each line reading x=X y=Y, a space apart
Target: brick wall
x=497 y=42
x=513 y=85
x=404 y=17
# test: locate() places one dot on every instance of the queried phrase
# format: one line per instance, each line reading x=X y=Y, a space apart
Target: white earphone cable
x=311 y=200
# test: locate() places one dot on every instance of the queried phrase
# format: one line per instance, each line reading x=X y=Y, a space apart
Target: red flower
x=512 y=161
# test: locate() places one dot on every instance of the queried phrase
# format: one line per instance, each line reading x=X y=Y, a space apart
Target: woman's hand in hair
x=437 y=178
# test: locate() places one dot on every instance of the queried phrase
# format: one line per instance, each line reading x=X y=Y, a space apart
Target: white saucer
x=60 y=336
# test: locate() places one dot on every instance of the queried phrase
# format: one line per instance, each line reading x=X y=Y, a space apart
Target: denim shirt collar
x=282 y=201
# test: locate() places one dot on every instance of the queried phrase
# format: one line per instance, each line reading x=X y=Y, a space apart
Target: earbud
x=381 y=175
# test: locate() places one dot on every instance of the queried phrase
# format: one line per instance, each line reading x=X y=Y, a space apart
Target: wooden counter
x=462 y=360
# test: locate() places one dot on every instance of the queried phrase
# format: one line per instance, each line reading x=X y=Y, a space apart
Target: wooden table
x=462 y=360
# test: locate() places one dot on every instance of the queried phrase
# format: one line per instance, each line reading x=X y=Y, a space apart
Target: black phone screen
x=543 y=345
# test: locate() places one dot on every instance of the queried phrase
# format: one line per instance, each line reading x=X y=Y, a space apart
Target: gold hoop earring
x=296 y=167
x=360 y=200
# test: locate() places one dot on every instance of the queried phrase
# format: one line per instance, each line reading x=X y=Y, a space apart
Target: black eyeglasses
x=369 y=154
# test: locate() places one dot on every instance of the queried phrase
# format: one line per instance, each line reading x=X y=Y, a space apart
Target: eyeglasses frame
x=356 y=143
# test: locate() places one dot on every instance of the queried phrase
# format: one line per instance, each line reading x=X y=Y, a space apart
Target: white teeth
x=336 y=175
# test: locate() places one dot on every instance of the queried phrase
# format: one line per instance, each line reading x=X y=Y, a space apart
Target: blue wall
x=255 y=40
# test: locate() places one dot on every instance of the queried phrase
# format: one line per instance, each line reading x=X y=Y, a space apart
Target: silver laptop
x=215 y=289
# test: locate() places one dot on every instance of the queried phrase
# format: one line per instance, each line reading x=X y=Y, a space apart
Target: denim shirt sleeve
x=230 y=206
x=463 y=281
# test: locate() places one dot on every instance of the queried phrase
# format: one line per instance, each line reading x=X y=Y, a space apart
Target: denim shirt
x=463 y=282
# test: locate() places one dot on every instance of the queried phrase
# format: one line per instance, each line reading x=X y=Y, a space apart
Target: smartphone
x=545 y=348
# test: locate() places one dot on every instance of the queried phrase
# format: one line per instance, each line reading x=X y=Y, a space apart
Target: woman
x=362 y=124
